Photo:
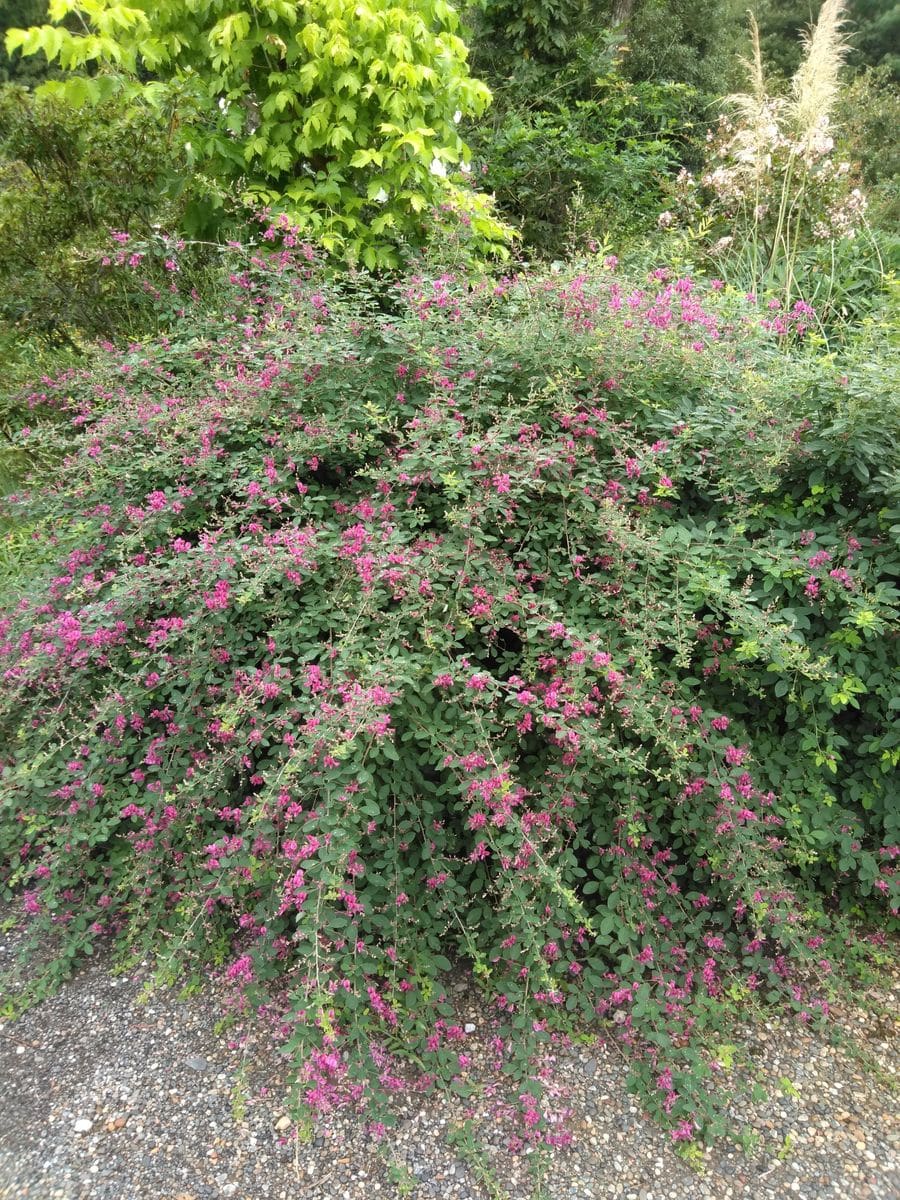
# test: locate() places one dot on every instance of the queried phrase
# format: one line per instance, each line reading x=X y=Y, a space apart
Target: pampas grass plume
x=814 y=87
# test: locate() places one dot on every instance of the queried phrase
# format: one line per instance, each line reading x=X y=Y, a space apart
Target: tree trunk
x=622 y=11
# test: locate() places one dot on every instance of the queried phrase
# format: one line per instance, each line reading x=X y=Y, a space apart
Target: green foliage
x=868 y=125
x=680 y=40
x=541 y=30
x=546 y=625
x=876 y=38
x=65 y=182
x=674 y=40
x=595 y=104
x=21 y=13
x=583 y=136
x=21 y=360
x=874 y=25
x=344 y=113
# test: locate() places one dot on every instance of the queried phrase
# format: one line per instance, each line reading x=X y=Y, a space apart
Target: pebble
x=135 y=1066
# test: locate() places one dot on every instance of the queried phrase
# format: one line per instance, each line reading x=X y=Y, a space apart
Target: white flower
x=438 y=168
x=457 y=117
x=380 y=196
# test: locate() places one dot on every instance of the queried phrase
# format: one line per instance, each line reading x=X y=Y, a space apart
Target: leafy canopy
x=345 y=113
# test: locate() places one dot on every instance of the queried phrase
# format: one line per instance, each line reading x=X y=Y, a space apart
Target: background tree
x=596 y=103
x=873 y=26
x=344 y=112
x=678 y=40
x=15 y=68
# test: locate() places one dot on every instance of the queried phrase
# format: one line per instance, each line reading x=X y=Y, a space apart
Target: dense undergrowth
x=545 y=625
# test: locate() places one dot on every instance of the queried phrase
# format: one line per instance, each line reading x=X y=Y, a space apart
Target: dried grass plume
x=815 y=86
x=756 y=113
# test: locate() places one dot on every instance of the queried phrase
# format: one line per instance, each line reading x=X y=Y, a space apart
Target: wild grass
x=776 y=179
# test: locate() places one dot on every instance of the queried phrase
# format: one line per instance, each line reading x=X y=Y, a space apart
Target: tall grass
x=776 y=178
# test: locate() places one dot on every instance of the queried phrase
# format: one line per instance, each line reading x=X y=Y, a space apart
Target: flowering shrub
x=539 y=625
x=827 y=206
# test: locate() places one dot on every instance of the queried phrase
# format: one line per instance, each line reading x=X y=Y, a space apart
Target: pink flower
x=241 y=969
x=218 y=598
x=683 y=1132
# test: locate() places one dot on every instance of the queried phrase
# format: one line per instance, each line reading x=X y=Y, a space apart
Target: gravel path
x=111 y=1095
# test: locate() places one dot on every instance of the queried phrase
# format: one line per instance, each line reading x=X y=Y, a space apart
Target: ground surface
x=108 y=1096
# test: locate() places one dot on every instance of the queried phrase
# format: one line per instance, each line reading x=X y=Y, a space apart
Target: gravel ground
x=109 y=1094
